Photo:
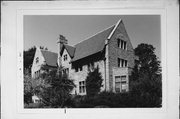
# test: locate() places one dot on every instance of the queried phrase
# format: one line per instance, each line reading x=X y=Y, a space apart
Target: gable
x=50 y=58
x=37 y=65
x=70 y=50
x=121 y=33
x=92 y=45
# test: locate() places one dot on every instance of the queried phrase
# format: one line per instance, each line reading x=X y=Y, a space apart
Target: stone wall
x=81 y=75
x=115 y=52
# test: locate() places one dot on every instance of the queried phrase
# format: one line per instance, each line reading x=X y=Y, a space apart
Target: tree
x=55 y=88
x=145 y=81
x=93 y=82
x=28 y=90
x=28 y=57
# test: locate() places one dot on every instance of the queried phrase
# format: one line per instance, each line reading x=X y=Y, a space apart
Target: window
x=120 y=84
x=66 y=71
x=122 y=63
x=37 y=74
x=122 y=44
x=37 y=60
x=78 y=68
x=65 y=57
x=82 y=87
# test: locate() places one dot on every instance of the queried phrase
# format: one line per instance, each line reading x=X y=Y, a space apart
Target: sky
x=44 y=30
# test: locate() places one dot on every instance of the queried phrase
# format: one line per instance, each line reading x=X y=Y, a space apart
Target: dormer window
x=65 y=57
x=37 y=60
x=122 y=44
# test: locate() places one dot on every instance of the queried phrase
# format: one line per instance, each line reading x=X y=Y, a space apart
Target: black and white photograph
x=92 y=61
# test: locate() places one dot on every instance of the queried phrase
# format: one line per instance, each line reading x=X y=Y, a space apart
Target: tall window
x=122 y=63
x=122 y=44
x=82 y=87
x=120 y=84
x=37 y=60
x=65 y=57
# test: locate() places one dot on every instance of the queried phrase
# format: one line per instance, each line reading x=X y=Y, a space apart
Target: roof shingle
x=92 y=45
x=50 y=58
x=70 y=50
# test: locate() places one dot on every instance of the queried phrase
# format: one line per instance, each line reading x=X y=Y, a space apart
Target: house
x=110 y=50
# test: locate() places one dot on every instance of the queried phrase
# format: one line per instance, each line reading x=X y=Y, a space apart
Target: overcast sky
x=44 y=30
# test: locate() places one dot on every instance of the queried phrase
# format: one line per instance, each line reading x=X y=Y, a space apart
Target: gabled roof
x=50 y=58
x=70 y=50
x=92 y=45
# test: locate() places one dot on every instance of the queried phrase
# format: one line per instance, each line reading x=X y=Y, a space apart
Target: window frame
x=82 y=87
x=122 y=44
x=122 y=62
x=65 y=57
x=121 y=82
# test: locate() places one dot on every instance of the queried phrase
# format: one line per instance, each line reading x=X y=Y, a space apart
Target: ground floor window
x=120 y=84
x=82 y=87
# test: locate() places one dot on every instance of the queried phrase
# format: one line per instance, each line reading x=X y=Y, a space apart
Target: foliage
x=28 y=90
x=28 y=57
x=93 y=82
x=146 y=80
x=55 y=89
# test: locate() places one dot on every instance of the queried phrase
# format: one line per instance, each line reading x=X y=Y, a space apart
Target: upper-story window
x=122 y=63
x=65 y=57
x=78 y=68
x=122 y=44
x=37 y=60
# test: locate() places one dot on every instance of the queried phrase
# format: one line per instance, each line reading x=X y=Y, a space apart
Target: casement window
x=120 y=84
x=78 y=68
x=122 y=63
x=122 y=44
x=65 y=57
x=37 y=60
x=82 y=87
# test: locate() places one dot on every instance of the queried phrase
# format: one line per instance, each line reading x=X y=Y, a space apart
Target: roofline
x=110 y=35
x=64 y=46
x=94 y=35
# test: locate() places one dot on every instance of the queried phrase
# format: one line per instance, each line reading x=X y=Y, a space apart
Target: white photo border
x=92 y=8
x=20 y=17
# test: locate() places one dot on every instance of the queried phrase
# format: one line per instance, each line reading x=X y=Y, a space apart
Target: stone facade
x=37 y=63
x=117 y=50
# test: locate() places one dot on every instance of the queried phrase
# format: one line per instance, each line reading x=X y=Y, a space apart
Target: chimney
x=61 y=41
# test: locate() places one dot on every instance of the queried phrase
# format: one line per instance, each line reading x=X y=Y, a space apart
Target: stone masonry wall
x=115 y=52
x=81 y=75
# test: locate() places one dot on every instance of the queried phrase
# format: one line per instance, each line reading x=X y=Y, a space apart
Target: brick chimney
x=61 y=41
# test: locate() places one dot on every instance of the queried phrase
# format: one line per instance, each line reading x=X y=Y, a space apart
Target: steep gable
x=70 y=50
